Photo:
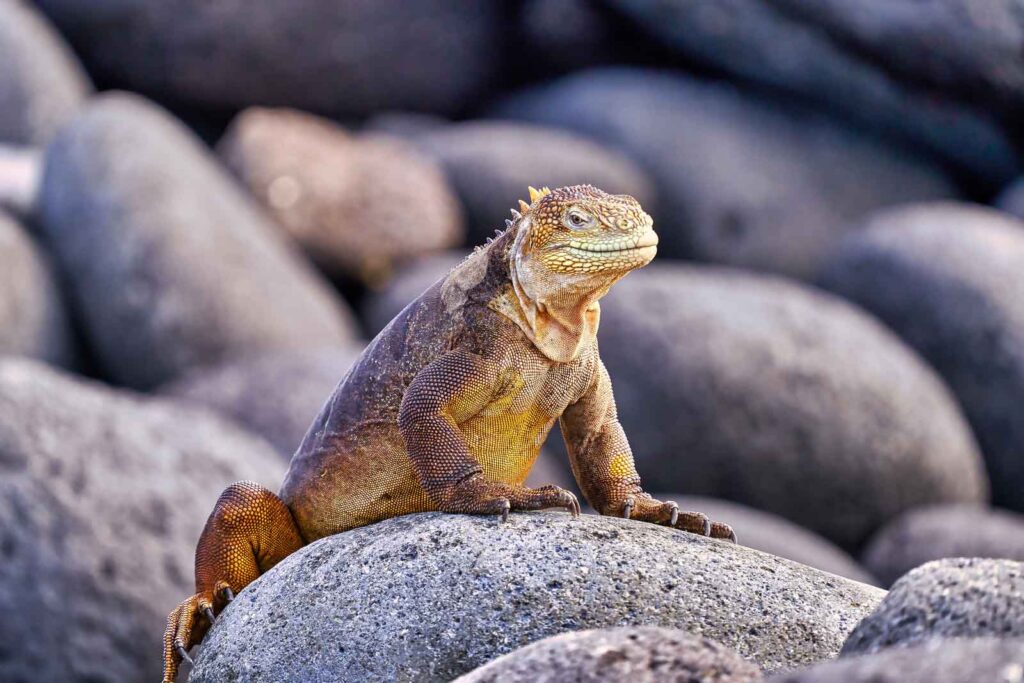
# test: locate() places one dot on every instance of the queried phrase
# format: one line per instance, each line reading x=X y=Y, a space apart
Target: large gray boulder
x=947 y=278
x=491 y=163
x=770 y=533
x=739 y=180
x=20 y=172
x=42 y=84
x=953 y=598
x=358 y=205
x=276 y=395
x=33 y=321
x=103 y=495
x=429 y=597
x=648 y=654
x=936 y=532
x=981 y=660
x=341 y=57
x=774 y=395
x=789 y=47
x=169 y=264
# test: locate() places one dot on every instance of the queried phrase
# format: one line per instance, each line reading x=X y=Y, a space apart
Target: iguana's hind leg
x=249 y=531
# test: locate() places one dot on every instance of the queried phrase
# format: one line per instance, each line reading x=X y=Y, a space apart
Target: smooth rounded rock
x=169 y=264
x=491 y=164
x=952 y=598
x=770 y=533
x=933 y=533
x=33 y=321
x=103 y=495
x=448 y=593
x=343 y=57
x=639 y=655
x=358 y=205
x=947 y=278
x=20 y=171
x=275 y=395
x=740 y=180
x=980 y=660
x=781 y=397
x=42 y=84
x=789 y=51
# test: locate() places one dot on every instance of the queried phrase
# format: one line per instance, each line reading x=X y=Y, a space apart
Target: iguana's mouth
x=646 y=241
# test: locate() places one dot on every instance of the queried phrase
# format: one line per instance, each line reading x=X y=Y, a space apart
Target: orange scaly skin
x=449 y=405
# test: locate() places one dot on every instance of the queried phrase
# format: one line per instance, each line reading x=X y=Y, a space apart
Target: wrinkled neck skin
x=558 y=312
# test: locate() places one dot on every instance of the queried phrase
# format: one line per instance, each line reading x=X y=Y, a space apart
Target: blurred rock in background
x=170 y=266
x=20 y=171
x=740 y=179
x=358 y=205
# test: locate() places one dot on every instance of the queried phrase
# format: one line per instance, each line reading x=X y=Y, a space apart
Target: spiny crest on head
x=535 y=195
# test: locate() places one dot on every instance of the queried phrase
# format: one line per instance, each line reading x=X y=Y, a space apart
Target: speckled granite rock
x=42 y=84
x=953 y=598
x=638 y=655
x=947 y=278
x=33 y=321
x=448 y=593
x=169 y=263
x=359 y=205
x=770 y=533
x=936 y=532
x=980 y=660
x=103 y=495
x=739 y=180
x=275 y=395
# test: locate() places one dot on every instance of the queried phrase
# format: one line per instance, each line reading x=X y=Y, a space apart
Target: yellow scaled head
x=583 y=231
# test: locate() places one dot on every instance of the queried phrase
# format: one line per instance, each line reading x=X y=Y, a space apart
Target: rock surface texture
x=275 y=395
x=169 y=264
x=728 y=386
x=638 y=655
x=102 y=497
x=348 y=57
x=42 y=84
x=33 y=321
x=975 y=660
x=358 y=205
x=739 y=180
x=448 y=593
x=947 y=278
x=953 y=598
x=933 y=533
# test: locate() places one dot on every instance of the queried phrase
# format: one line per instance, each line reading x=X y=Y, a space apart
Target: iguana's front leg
x=602 y=463
x=444 y=394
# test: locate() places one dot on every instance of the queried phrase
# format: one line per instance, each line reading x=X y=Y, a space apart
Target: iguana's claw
x=627 y=507
x=574 y=504
x=674 y=516
x=504 y=511
x=182 y=652
x=228 y=594
x=208 y=613
x=723 y=531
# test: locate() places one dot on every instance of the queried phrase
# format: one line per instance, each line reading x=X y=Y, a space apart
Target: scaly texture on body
x=449 y=405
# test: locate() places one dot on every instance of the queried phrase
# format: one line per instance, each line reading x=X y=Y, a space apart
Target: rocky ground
x=207 y=210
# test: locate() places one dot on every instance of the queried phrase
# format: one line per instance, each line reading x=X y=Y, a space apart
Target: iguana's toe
x=720 y=530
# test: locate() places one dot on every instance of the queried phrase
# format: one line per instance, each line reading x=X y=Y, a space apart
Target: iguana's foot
x=249 y=531
x=647 y=509
x=478 y=495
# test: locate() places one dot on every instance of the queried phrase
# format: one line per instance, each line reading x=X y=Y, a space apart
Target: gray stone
x=42 y=84
x=103 y=495
x=445 y=594
x=952 y=598
x=639 y=655
x=20 y=172
x=937 y=532
x=740 y=180
x=784 y=47
x=32 y=318
x=276 y=395
x=1011 y=199
x=169 y=264
x=947 y=278
x=343 y=57
x=491 y=164
x=770 y=533
x=781 y=397
x=358 y=205
x=982 y=660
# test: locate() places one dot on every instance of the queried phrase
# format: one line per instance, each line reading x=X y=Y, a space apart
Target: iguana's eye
x=577 y=220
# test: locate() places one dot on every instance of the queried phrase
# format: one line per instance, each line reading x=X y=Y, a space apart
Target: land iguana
x=447 y=408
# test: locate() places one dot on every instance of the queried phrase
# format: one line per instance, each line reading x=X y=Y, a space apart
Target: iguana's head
x=580 y=232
